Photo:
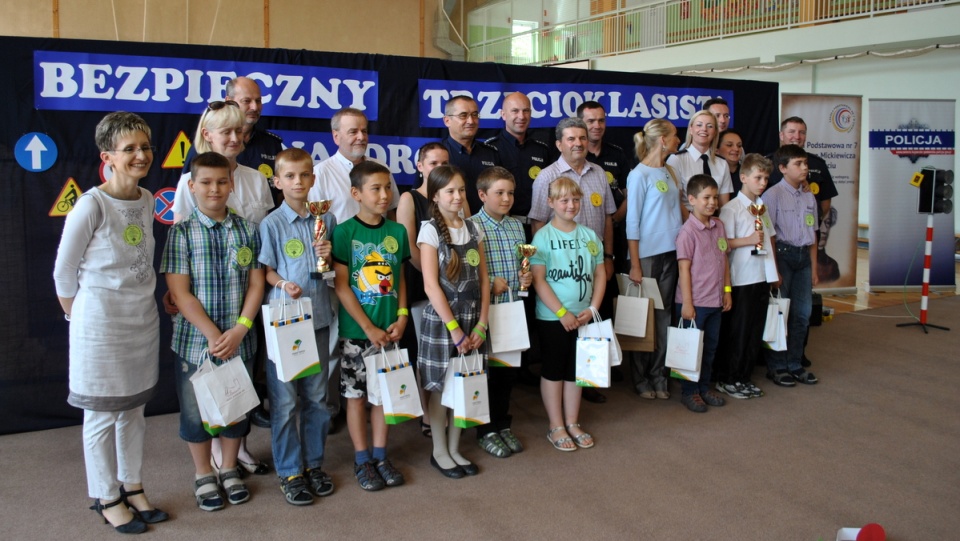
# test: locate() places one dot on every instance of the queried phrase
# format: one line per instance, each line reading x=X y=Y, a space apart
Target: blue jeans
x=708 y=321
x=293 y=450
x=795 y=269
x=191 y=425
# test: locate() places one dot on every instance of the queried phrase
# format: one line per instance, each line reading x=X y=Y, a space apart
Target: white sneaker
x=735 y=390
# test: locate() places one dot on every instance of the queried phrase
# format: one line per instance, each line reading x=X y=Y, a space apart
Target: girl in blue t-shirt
x=455 y=320
x=569 y=277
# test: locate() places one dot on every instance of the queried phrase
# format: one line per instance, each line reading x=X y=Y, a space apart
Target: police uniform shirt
x=818 y=176
x=525 y=160
x=472 y=163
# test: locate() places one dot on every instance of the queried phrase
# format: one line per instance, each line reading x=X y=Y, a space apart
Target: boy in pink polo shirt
x=704 y=283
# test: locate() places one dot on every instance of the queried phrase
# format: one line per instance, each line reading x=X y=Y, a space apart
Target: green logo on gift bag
x=403 y=389
x=476 y=395
x=296 y=345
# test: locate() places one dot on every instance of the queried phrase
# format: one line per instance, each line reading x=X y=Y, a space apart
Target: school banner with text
x=833 y=133
x=905 y=137
x=54 y=91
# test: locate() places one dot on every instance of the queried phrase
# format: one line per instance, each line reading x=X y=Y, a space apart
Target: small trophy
x=757 y=210
x=318 y=209
x=526 y=251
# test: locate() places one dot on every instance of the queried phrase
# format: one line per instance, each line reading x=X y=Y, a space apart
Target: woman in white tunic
x=105 y=282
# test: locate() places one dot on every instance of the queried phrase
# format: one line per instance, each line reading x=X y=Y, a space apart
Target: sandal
x=236 y=490
x=425 y=430
x=150 y=516
x=207 y=491
x=579 y=440
x=492 y=444
x=558 y=444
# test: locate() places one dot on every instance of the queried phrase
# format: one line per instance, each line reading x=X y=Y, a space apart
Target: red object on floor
x=872 y=532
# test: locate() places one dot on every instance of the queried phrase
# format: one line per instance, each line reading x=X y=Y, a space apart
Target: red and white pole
x=927 y=251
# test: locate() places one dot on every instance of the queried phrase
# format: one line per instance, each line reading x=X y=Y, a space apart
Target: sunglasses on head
x=217 y=105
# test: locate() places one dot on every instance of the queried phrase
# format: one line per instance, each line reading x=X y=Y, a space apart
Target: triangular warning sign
x=178 y=152
x=67 y=198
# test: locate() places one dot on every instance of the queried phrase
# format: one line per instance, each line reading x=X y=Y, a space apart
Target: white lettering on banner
x=399 y=158
x=142 y=83
x=913 y=139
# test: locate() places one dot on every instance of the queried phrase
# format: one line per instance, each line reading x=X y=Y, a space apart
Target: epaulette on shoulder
x=541 y=143
x=679 y=152
x=492 y=141
x=273 y=135
x=491 y=147
x=614 y=146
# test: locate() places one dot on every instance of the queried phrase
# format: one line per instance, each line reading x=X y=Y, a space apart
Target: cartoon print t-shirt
x=373 y=254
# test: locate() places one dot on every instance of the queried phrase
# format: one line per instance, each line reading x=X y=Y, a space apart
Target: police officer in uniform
x=520 y=153
x=462 y=118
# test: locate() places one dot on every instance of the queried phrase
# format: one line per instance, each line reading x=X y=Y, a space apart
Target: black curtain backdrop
x=33 y=333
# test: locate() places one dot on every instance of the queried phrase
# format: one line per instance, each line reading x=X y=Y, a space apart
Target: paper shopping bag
x=593 y=362
x=684 y=347
x=779 y=342
x=784 y=304
x=465 y=391
x=504 y=359
x=630 y=317
x=398 y=387
x=603 y=329
x=224 y=393
x=772 y=323
x=373 y=361
x=508 y=326
x=291 y=342
x=648 y=342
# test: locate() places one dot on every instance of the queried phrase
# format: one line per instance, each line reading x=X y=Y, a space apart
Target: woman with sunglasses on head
x=220 y=130
x=105 y=282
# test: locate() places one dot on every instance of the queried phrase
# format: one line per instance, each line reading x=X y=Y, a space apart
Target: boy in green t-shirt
x=368 y=253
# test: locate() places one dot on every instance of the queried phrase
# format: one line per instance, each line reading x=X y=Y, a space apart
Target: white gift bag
x=504 y=359
x=775 y=326
x=398 y=387
x=465 y=391
x=593 y=362
x=684 y=347
x=603 y=329
x=224 y=393
x=508 y=326
x=373 y=360
x=291 y=340
x=632 y=313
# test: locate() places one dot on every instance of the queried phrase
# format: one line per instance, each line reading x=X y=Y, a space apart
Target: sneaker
x=694 y=403
x=295 y=490
x=512 y=442
x=492 y=444
x=390 y=475
x=662 y=395
x=755 y=392
x=804 y=377
x=712 y=399
x=320 y=483
x=368 y=477
x=782 y=378
x=735 y=390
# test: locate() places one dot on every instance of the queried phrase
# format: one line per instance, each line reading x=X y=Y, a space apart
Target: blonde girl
x=569 y=276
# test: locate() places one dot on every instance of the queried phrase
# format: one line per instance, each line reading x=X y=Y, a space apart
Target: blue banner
x=626 y=105
x=398 y=153
x=65 y=81
x=915 y=140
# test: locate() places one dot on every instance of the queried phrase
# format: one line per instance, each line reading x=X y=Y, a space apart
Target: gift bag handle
x=631 y=283
x=692 y=325
x=396 y=348
x=283 y=305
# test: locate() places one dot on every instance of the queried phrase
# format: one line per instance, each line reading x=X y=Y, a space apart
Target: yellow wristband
x=561 y=312
x=245 y=321
x=727 y=289
x=452 y=324
x=403 y=312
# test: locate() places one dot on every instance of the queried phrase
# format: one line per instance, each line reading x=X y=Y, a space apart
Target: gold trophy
x=526 y=251
x=757 y=210
x=318 y=209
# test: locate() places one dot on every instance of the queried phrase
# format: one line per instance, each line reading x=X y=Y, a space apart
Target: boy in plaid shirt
x=502 y=234
x=216 y=281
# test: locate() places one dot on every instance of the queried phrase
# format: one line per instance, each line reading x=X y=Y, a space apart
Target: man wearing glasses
x=462 y=119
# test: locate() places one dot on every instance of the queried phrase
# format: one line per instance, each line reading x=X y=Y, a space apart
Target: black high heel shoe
x=150 y=516
x=134 y=526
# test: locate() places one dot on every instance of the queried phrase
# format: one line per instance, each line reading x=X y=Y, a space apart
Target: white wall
x=935 y=75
